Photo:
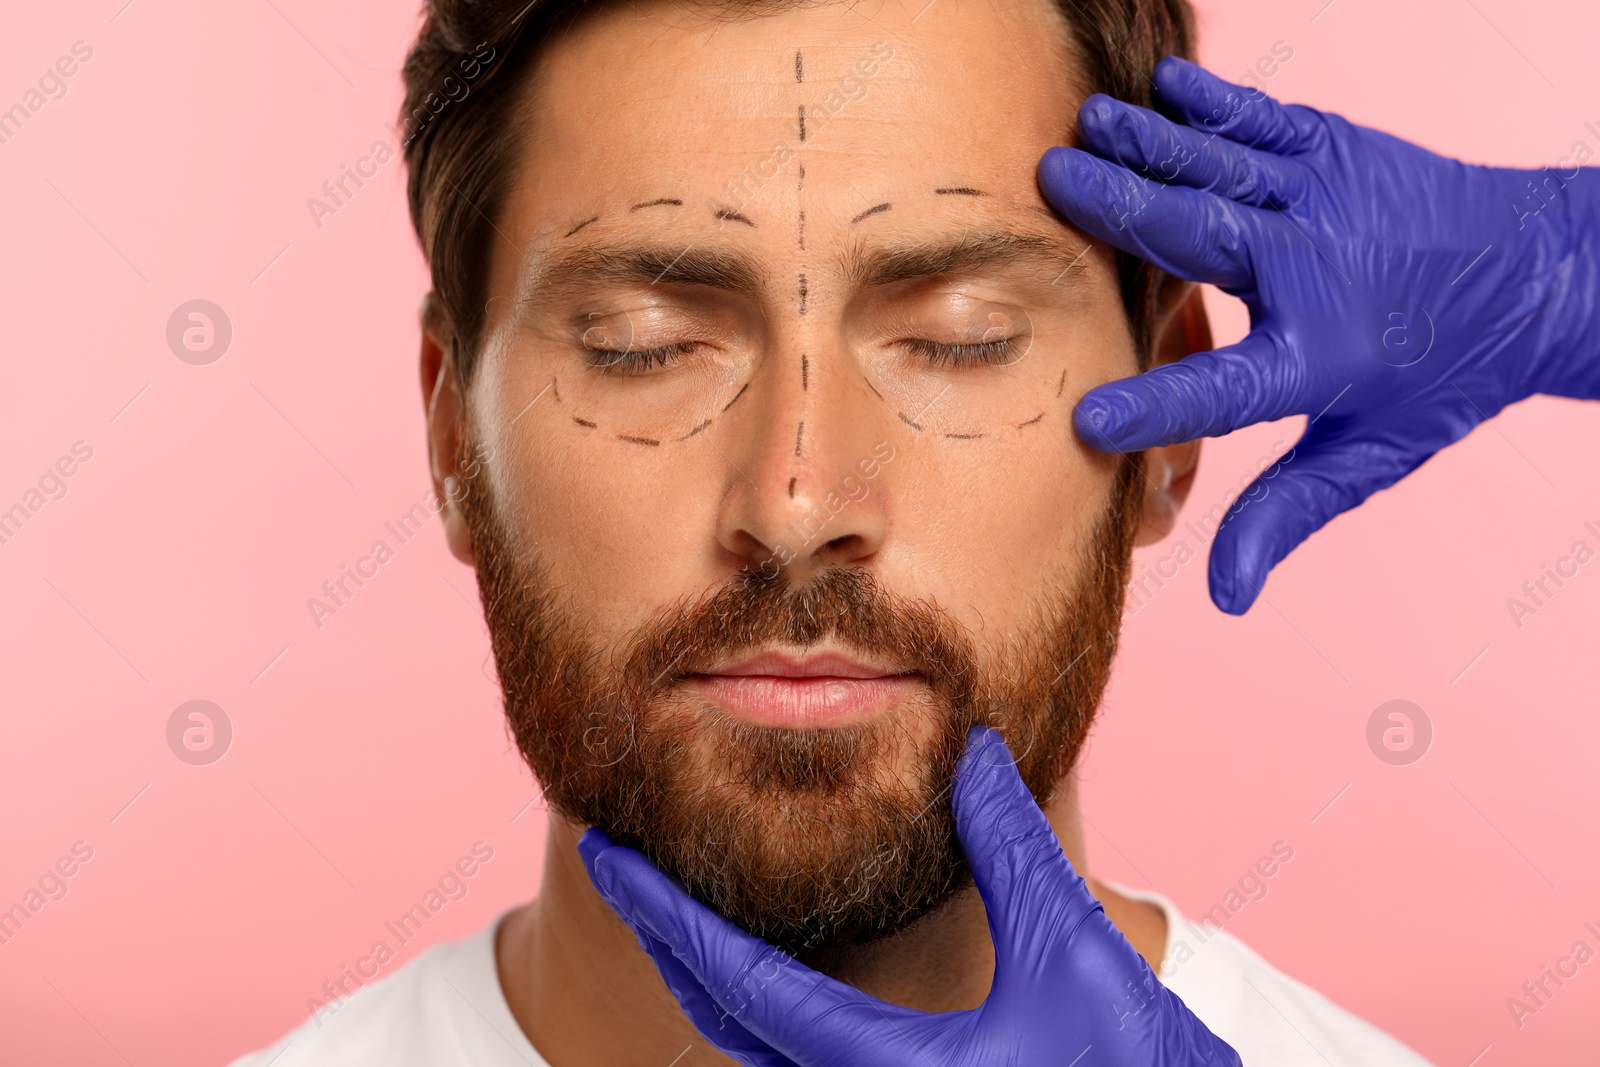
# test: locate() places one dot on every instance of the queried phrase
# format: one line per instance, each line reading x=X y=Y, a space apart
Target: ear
x=441 y=400
x=1181 y=328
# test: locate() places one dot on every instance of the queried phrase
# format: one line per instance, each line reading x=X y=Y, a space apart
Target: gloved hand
x=1396 y=297
x=1068 y=988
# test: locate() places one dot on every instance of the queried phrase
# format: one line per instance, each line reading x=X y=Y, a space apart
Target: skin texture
x=649 y=102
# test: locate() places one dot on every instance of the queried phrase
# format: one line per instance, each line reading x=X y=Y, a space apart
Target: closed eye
x=989 y=353
x=637 y=360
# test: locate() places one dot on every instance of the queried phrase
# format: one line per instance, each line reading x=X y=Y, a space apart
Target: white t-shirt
x=446 y=1007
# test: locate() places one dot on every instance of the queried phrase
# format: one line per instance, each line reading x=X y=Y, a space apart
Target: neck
x=567 y=962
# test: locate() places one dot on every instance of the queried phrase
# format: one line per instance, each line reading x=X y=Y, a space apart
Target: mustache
x=757 y=610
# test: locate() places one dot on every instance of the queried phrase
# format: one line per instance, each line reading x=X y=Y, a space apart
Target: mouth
x=807 y=691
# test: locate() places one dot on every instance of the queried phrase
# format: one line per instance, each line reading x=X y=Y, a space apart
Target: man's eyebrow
x=647 y=264
x=865 y=266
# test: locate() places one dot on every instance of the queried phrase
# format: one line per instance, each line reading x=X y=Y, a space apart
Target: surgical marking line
x=736 y=396
x=876 y=209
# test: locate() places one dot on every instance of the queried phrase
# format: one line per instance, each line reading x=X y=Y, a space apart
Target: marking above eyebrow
x=580 y=226
x=731 y=215
x=1062 y=384
x=907 y=421
x=672 y=200
x=874 y=210
x=696 y=430
x=960 y=190
x=964 y=436
x=584 y=422
x=638 y=440
x=1031 y=421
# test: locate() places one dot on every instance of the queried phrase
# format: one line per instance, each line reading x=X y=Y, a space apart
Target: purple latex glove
x=1396 y=297
x=1068 y=988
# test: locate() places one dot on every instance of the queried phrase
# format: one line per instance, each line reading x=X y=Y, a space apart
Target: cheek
x=980 y=530
x=619 y=534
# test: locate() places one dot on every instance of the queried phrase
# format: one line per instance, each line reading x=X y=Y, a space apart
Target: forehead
x=635 y=102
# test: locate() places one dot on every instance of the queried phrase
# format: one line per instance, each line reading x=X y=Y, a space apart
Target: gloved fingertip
x=1098 y=110
x=1230 y=597
x=1174 y=74
x=1057 y=168
x=1237 y=574
x=985 y=747
x=1103 y=419
x=593 y=842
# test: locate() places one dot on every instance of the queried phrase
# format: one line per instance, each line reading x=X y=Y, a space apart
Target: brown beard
x=809 y=838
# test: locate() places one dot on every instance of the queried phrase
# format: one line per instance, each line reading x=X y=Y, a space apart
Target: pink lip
x=826 y=689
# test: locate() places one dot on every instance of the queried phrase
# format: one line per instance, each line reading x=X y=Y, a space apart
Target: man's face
x=785 y=492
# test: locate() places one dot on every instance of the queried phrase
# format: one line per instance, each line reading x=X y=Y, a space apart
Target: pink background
x=370 y=755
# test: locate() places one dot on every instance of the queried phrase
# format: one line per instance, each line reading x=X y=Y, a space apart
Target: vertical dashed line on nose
x=800 y=208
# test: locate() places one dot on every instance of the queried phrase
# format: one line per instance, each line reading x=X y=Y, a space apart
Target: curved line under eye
x=987 y=353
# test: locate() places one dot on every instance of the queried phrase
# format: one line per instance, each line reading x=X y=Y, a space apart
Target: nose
x=810 y=493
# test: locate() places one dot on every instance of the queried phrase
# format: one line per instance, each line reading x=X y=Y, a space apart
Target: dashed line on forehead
x=799 y=67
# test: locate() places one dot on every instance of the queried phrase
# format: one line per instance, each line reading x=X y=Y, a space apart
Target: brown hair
x=458 y=153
